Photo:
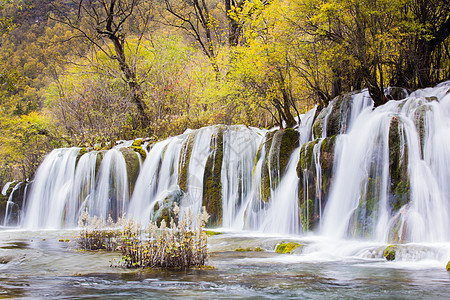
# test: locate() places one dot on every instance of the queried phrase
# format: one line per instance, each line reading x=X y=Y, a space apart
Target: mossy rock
x=163 y=210
x=133 y=166
x=263 y=153
x=212 y=181
x=448 y=266
x=249 y=249
x=139 y=150
x=310 y=202
x=276 y=152
x=211 y=233
x=398 y=167
x=335 y=116
x=389 y=252
x=185 y=157
x=286 y=248
x=82 y=152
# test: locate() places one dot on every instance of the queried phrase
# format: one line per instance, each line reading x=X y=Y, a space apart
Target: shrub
x=169 y=247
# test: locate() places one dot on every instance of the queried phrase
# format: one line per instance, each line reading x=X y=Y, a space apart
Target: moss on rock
x=212 y=184
x=389 y=252
x=286 y=248
x=163 y=210
x=133 y=166
x=310 y=202
x=398 y=167
x=185 y=157
x=263 y=152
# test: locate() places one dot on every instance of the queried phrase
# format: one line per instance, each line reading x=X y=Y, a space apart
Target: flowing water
x=356 y=179
x=37 y=265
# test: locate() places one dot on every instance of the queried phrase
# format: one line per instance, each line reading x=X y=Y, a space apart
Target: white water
x=63 y=188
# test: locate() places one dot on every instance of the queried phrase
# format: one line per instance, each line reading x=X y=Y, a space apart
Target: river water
x=37 y=264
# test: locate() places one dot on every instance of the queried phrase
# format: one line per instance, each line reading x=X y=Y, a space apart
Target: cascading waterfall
x=347 y=171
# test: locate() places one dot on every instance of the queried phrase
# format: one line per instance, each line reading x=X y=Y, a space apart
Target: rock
x=286 y=248
x=212 y=186
x=334 y=118
x=163 y=210
x=133 y=166
x=275 y=152
x=263 y=153
x=389 y=252
x=398 y=167
x=311 y=203
x=185 y=157
x=139 y=150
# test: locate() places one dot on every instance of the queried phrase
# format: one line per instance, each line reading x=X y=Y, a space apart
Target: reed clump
x=169 y=246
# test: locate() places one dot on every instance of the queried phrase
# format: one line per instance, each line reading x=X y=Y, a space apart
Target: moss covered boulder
x=133 y=166
x=398 y=166
x=389 y=252
x=286 y=248
x=314 y=188
x=334 y=118
x=212 y=186
x=185 y=157
x=136 y=146
x=275 y=152
x=263 y=153
x=164 y=209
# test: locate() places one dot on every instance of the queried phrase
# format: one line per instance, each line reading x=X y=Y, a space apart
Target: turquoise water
x=37 y=265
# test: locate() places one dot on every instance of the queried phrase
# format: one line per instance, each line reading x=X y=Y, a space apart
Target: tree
x=194 y=17
x=103 y=24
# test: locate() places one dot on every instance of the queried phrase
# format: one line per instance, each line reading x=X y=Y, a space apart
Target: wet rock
x=212 y=186
x=286 y=248
x=133 y=166
x=314 y=155
x=389 y=252
x=164 y=210
x=185 y=157
x=398 y=166
x=275 y=152
x=333 y=119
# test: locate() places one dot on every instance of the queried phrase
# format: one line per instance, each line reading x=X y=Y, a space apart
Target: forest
x=90 y=72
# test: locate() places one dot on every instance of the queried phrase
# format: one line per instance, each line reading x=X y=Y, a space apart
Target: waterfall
x=347 y=171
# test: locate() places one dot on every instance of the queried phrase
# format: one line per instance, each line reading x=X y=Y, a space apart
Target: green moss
x=286 y=248
x=448 y=266
x=243 y=250
x=211 y=233
x=137 y=143
x=249 y=249
x=212 y=186
x=389 y=252
x=139 y=150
